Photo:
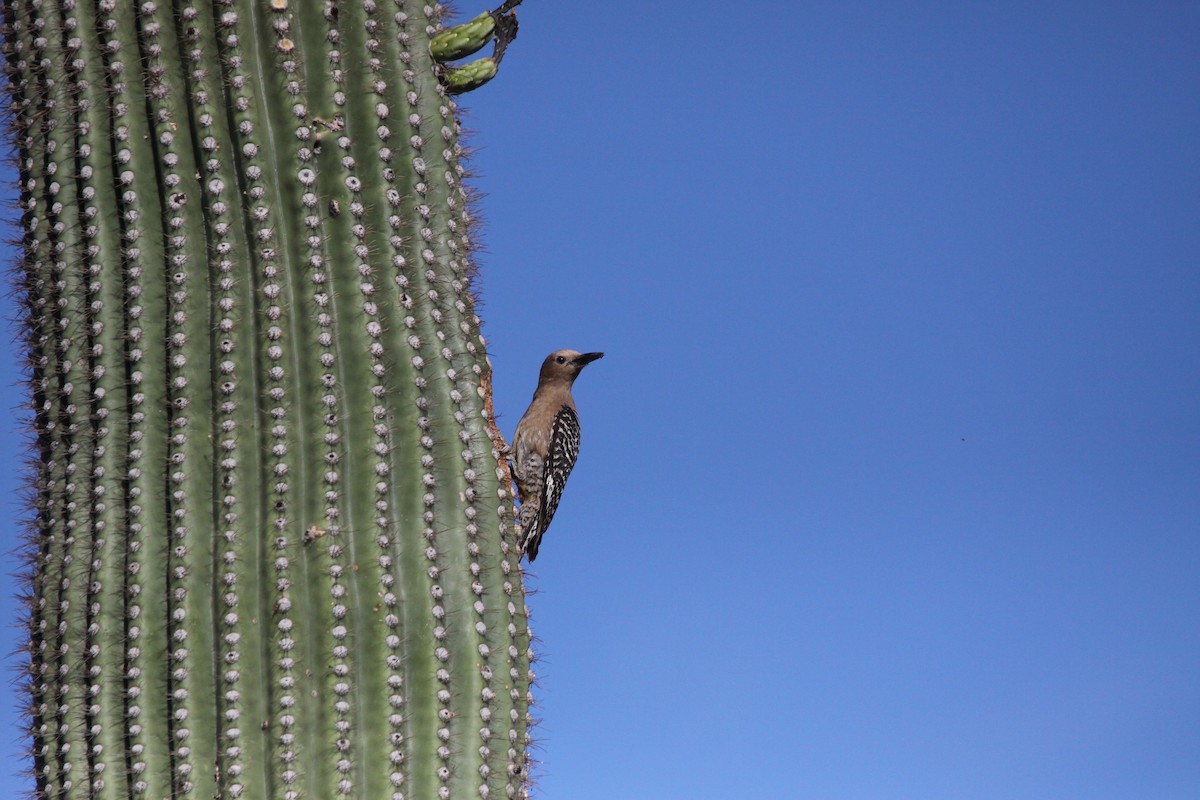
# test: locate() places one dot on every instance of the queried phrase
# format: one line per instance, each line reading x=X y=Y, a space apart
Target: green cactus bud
x=470 y=76
x=463 y=40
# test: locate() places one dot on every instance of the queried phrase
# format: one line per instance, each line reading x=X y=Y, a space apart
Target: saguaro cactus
x=271 y=547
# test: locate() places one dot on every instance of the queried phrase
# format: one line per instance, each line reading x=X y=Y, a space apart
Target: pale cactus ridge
x=271 y=540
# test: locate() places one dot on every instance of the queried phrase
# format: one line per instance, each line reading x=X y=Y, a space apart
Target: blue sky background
x=890 y=482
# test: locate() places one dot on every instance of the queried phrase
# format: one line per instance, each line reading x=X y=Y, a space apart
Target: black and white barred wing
x=564 y=449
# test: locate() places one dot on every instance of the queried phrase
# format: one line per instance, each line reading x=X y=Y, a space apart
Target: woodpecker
x=546 y=445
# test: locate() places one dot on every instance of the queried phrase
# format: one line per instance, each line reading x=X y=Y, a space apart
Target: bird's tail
x=531 y=527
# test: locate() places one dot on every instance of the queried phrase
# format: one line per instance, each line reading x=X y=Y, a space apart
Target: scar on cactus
x=502 y=447
x=498 y=26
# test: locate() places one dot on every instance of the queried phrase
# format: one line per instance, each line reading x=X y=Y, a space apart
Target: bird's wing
x=564 y=449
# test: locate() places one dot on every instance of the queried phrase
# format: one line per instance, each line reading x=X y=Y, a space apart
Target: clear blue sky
x=890 y=482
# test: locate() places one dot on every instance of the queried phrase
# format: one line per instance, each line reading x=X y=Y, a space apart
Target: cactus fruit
x=271 y=538
x=470 y=76
x=463 y=40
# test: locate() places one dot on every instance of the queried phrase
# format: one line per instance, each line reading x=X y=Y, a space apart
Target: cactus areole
x=271 y=546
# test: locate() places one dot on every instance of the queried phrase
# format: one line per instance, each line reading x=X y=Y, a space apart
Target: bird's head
x=565 y=365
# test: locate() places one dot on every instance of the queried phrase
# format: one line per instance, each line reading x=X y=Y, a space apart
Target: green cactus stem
x=271 y=539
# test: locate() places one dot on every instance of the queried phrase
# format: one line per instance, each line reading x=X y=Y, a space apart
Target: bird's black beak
x=586 y=358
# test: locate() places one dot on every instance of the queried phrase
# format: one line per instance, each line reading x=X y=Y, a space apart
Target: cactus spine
x=271 y=548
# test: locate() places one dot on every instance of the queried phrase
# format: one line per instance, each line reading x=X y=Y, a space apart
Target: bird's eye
x=561 y=359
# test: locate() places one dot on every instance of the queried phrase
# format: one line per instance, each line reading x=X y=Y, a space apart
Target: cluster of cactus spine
x=271 y=541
